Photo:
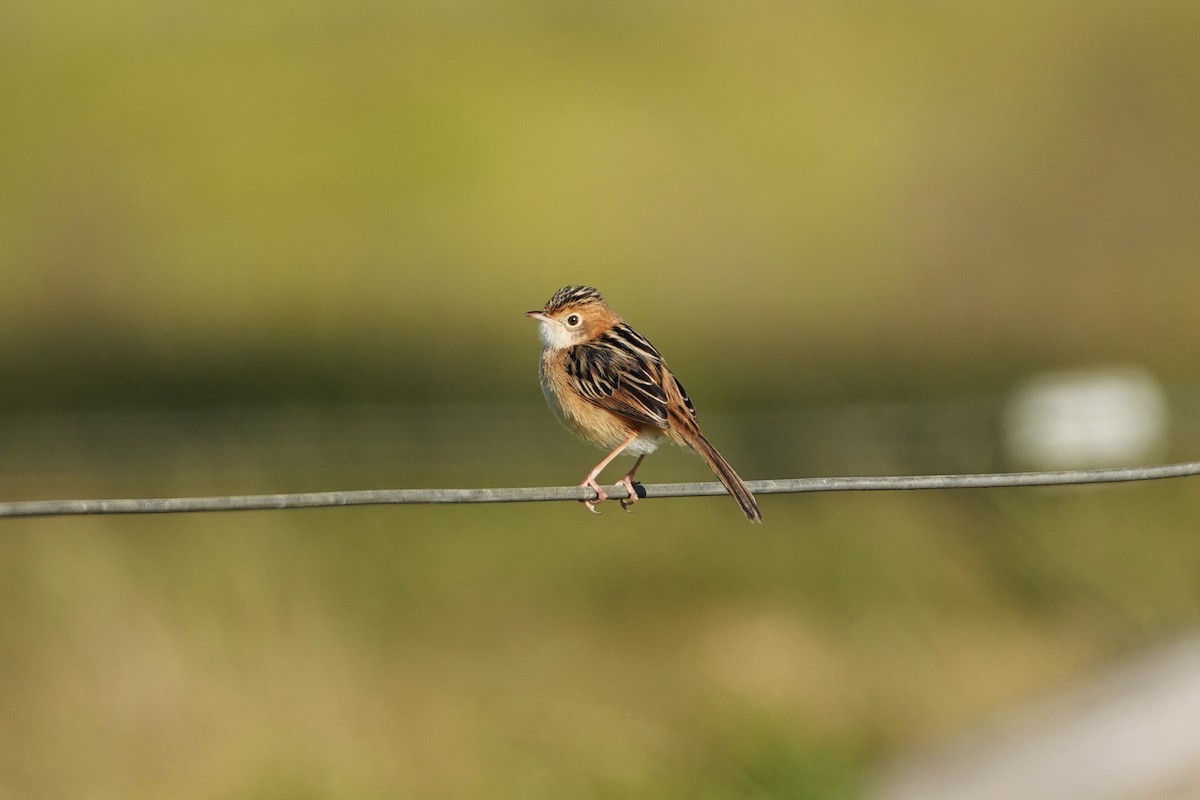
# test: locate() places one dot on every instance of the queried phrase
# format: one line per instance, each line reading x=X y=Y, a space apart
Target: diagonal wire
x=172 y=505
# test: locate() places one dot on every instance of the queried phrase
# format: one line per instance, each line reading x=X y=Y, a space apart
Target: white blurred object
x=1086 y=418
x=1130 y=734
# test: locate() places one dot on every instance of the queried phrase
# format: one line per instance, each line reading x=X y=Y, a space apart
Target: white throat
x=554 y=335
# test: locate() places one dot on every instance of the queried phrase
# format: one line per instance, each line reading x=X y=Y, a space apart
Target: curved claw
x=626 y=502
x=601 y=496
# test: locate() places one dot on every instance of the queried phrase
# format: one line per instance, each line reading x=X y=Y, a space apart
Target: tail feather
x=732 y=481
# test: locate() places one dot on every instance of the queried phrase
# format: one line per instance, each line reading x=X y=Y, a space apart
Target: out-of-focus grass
x=811 y=198
x=538 y=651
x=297 y=204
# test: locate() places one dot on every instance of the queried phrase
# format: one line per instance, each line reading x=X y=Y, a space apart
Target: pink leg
x=590 y=480
x=627 y=482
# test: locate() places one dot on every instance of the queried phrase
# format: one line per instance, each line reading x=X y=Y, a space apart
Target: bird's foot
x=627 y=482
x=601 y=495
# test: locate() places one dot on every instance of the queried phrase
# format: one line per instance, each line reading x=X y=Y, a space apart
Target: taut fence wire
x=366 y=497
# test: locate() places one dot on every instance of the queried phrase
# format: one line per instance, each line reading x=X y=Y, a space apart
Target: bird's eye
x=573 y=320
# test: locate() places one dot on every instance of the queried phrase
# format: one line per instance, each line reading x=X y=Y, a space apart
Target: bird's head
x=574 y=315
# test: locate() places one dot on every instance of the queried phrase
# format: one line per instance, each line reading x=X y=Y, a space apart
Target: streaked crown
x=572 y=296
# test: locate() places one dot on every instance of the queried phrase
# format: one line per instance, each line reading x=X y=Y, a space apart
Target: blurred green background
x=286 y=247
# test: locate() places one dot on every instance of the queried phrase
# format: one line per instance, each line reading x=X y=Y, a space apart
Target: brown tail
x=733 y=482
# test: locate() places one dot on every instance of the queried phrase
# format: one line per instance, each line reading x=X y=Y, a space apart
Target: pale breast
x=586 y=420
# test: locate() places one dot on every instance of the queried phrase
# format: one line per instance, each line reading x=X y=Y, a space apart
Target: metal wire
x=174 y=505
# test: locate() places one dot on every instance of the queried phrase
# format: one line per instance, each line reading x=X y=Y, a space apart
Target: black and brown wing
x=622 y=372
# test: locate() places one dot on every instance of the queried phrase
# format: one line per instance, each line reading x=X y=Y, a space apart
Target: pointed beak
x=538 y=315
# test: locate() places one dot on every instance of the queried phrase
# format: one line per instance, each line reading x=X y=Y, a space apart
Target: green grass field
x=284 y=214
x=540 y=651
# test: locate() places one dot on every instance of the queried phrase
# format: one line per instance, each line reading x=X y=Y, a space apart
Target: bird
x=610 y=386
